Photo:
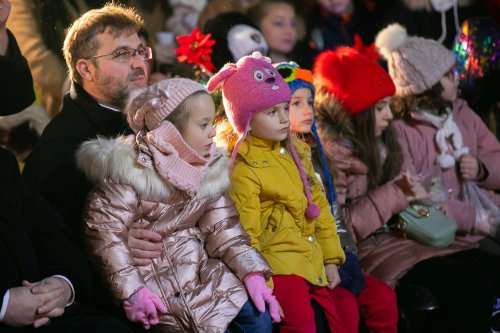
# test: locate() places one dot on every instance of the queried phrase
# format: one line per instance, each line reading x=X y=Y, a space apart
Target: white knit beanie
x=415 y=64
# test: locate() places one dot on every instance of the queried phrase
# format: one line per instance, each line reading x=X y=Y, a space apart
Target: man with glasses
x=34 y=245
x=106 y=61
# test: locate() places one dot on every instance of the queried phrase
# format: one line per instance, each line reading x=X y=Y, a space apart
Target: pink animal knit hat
x=250 y=86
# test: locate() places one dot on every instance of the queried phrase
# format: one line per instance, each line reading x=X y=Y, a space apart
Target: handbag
x=427 y=225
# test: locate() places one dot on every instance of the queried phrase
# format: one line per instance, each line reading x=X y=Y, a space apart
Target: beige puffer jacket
x=203 y=241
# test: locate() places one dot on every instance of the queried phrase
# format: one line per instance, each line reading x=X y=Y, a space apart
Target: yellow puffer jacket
x=269 y=194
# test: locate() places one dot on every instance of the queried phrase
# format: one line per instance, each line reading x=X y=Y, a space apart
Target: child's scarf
x=448 y=137
x=176 y=162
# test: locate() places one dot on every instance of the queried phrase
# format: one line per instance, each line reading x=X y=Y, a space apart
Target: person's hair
x=260 y=9
x=227 y=137
x=429 y=100
x=368 y=151
x=179 y=117
x=333 y=119
x=81 y=42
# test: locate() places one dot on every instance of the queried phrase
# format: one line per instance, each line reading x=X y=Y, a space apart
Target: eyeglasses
x=126 y=54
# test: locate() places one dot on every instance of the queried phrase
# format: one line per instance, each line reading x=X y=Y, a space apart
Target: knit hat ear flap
x=331 y=195
x=225 y=72
x=312 y=210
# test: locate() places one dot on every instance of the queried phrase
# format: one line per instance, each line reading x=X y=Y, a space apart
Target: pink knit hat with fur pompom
x=250 y=86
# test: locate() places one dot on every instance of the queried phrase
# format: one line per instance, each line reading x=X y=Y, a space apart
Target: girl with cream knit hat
x=437 y=129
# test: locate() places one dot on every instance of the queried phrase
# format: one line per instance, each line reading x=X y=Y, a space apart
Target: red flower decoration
x=368 y=50
x=196 y=48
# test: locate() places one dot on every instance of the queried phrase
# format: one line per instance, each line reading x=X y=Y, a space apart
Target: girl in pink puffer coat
x=170 y=177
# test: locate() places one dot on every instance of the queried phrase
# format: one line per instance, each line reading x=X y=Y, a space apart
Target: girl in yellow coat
x=281 y=202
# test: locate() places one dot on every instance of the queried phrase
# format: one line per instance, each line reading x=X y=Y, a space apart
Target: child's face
x=272 y=124
x=450 y=88
x=337 y=7
x=383 y=115
x=199 y=131
x=279 y=27
x=301 y=111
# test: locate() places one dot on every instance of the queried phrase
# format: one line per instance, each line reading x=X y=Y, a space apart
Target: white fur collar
x=426 y=4
x=116 y=159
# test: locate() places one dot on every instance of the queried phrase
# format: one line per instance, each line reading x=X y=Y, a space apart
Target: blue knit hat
x=295 y=76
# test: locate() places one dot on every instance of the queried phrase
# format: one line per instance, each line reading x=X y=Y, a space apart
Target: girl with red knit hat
x=353 y=115
x=359 y=296
x=281 y=202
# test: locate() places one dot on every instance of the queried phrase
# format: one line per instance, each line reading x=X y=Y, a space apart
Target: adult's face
x=110 y=78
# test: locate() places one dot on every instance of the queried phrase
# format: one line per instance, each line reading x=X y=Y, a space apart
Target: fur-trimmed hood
x=426 y=4
x=332 y=119
x=116 y=159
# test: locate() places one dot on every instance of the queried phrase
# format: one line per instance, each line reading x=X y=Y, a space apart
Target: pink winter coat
x=420 y=152
x=384 y=254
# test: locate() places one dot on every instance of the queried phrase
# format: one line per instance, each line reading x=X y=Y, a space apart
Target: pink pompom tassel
x=312 y=211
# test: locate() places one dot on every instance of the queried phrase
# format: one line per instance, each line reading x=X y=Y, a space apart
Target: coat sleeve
x=49 y=71
x=408 y=162
x=371 y=211
x=110 y=209
x=17 y=94
x=245 y=191
x=39 y=239
x=488 y=151
x=226 y=239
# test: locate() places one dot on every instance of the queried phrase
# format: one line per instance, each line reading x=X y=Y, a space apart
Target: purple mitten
x=261 y=294
x=351 y=275
x=143 y=306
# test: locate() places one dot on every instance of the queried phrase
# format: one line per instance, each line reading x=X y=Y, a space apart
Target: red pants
x=376 y=305
x=294 y=294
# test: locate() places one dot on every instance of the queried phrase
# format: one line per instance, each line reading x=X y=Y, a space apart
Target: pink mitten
x=261 y=294
x=142 y=306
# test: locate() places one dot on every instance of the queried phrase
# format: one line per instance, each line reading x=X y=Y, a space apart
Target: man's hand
x=332 y=275
x=22 y=307
x=144 y=244
x=469 y=167
x=58 y=292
